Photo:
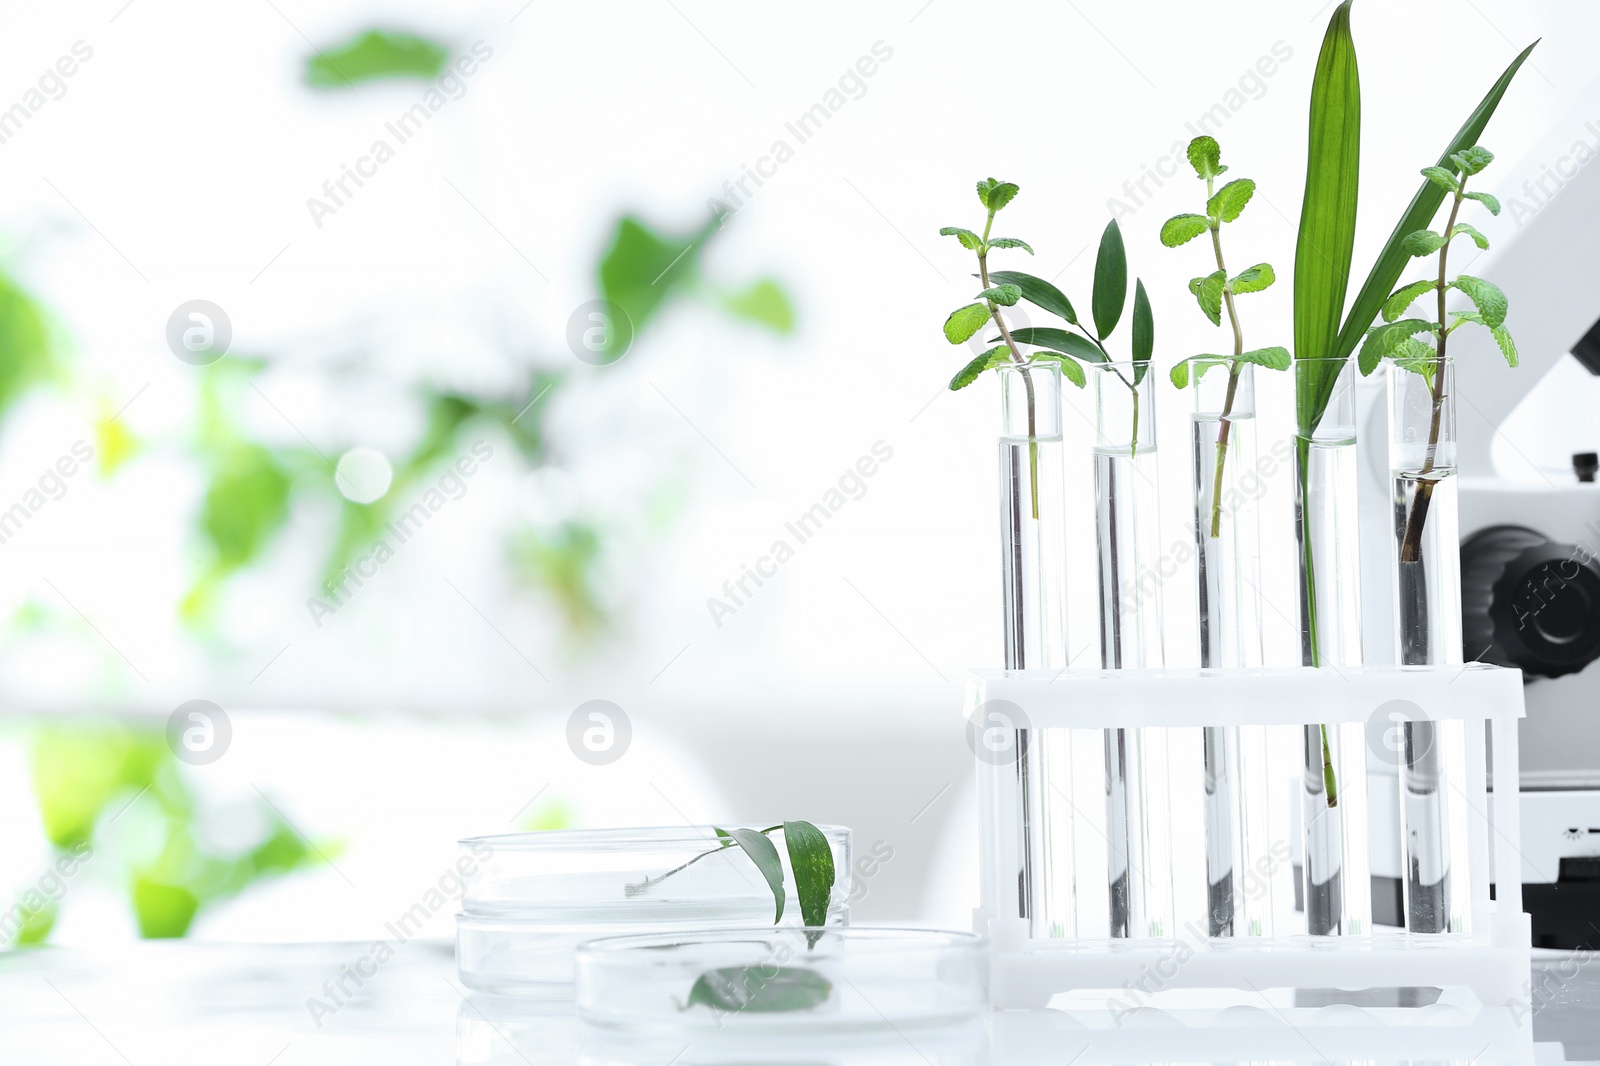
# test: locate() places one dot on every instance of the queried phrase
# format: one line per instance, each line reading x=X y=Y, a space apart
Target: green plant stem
x=1307 y=566
x=1226 y=423
x=1417 y=517
x=1016 y=357
x=1133 y=445
x=650 y=882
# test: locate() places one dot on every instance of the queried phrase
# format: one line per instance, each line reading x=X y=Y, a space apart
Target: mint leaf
x=1252 y=279
x=1208 y=290
x=1486 y=297
x=1005 y=295
x=1421 y=242
x=1477 y=238
x=1485 y=199
x=964 y=322
x=1501 y=335
x=1181 y=229
x=1508 y=347
x=1202 y=364
x=1144 y=331
x=1388 y=340
x=1404 y=297
x=764 y=854
x=990 y=359
x=1110 y=281
x=1038 y=292
x=1205 y=155
x=996 y=194
x=1069 y=366
x=1229 y=200
x=1472 y=160
x=1059 y=340
x=1274 y=358
x=969 y=240
x=1441 y=177
x=1010 y=242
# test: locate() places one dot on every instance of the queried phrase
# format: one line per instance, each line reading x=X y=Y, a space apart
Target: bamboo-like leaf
x=1059 y=340
x=1326 y=240
x=811 y=859
x=759 y=989
x=764 y=854
x=1110 y=281
x=1038 y=292
x=1144 y=332
x=1391 y=261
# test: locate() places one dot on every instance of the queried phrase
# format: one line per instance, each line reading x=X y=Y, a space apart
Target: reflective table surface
x=173 y=1003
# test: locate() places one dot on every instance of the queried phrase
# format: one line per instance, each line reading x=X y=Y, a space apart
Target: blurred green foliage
x=764 y=303
x=553 y=813
x=642 y=270
x=115 y=786
x=561 y=562
x=376 y=54
x=103 y=783
x=27 y=356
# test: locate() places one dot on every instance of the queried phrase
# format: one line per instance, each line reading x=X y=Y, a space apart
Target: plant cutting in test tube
x=1063 y=347
x=780 y=988
x=1323 y=330
x=1400 y=339
x=1216 y=291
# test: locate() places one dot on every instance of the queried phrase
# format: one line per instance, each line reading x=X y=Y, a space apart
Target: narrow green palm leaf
x=1328 y=216
x=1424 y=205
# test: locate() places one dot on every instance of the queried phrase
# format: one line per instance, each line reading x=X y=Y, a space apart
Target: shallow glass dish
x=531 y=898
x=766 y=981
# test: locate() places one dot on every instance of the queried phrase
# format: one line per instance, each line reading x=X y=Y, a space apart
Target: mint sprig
x=1215 y=293
x=1062 y=348
x=1418 y=345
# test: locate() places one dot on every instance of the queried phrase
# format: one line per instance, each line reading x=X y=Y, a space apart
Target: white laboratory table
x=174 y=1003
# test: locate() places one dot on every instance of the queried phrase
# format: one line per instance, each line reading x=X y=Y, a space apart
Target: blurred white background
x=176 y=164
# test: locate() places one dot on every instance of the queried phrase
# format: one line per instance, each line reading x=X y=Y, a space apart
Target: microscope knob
x=1529 y=602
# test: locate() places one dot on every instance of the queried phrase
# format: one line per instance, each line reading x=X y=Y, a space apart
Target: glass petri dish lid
x=765 y=981
x=674 y=872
